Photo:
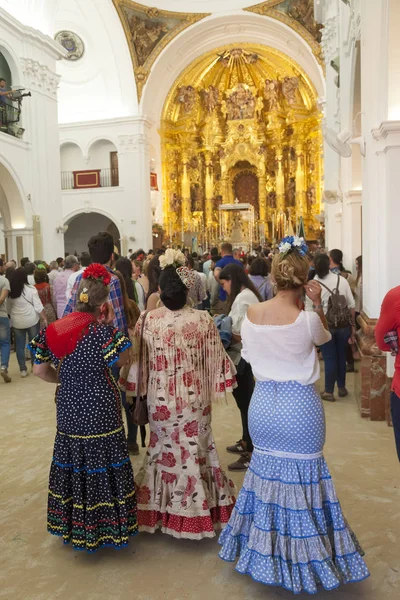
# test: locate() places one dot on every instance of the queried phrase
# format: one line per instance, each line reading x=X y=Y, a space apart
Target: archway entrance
x=241 y=124
x=16 y=239
x=83 y=226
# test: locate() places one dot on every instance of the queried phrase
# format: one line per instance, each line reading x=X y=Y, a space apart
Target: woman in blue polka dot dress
x=287 y=527
x=91 y=500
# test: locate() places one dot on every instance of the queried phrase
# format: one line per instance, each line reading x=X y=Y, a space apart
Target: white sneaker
x=5 y=375
x=24 y=373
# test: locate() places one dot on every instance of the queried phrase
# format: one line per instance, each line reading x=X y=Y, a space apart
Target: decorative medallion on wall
x=297 y=14
x=148 y=31
x=72 y=44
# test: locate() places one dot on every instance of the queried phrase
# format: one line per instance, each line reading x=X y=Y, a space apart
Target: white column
x=41 y=131
x=134 y=173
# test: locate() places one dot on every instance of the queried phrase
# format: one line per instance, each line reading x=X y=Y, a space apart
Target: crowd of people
x=160 y=336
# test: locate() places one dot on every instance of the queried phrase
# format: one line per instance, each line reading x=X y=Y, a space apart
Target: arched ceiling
x=149 y=30
x=218 y=72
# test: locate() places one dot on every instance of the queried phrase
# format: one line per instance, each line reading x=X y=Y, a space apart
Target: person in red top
x=389 y=322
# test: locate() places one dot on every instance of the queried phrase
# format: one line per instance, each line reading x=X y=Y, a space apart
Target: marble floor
x=36 y=566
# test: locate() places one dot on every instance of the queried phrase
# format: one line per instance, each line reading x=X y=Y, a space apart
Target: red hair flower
x=98 y=272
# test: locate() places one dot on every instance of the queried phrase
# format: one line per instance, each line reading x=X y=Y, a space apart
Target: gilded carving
x=148 y=31
x=244 y=125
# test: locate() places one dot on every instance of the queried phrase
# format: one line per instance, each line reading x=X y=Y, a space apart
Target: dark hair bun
x=173 y=290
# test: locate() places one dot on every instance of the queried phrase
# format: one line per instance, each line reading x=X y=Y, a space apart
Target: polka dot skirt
x=91 y=499
x=287 y=527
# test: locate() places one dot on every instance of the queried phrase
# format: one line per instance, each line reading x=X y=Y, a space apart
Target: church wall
x=33 y=162
x=127 y=205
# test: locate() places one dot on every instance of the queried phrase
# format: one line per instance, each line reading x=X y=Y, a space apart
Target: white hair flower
x=172 y=257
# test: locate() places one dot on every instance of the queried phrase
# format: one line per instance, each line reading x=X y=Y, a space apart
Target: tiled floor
x=36 y=566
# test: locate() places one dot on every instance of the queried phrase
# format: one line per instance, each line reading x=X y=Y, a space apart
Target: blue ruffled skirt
x=287 y=527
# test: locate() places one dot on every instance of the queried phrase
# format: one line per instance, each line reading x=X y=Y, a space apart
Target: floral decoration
x=97 y=272
x=174 y=258
x=293 y=242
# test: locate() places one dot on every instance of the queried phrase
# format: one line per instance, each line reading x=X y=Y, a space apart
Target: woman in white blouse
x=25 y=309
x=287 y=525
x=241 y=294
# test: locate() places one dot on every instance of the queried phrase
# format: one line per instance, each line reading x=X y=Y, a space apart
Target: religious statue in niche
x=211 y=98
x=291 y=192
x=311 y=196
x=271 y=94
x=259 y=108
x=289 y=88
x=187 y=98
x=240 y=104
x=271 y=199
x=196 y=197
x=174 y=203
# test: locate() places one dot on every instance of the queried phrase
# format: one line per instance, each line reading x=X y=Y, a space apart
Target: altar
x=237 y=223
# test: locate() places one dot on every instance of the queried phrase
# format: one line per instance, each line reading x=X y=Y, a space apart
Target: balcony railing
x=9 y=118
x=108 y=178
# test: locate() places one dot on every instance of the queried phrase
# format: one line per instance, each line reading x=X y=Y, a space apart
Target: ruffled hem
x=106 y=542
x=194 y=528
x=288 y=528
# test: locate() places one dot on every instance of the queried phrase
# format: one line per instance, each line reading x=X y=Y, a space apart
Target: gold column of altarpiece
x=241 y=124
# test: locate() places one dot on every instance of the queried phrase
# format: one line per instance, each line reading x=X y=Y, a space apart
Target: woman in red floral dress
x=181 y=488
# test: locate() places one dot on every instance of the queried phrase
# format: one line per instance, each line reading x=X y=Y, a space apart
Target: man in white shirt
x=84 y=260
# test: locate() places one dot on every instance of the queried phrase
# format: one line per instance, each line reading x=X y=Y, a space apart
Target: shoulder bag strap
x=139 y=385
x=325 y=286
x=338 y=283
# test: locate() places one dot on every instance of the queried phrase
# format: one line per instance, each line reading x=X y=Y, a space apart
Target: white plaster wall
x=71 y=157
x=33 y=163
x=129 y=205
x=101 y=84
x=99 y=154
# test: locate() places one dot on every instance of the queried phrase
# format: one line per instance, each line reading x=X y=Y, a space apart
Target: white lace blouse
x=285 y=352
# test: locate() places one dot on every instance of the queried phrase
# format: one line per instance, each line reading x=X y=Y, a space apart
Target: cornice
x=33 y=35
x=385 y=129
x=132 y=120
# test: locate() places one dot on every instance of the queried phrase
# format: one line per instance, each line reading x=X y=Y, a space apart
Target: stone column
x=134 y=175
x=209 y=185
x=300 y=189
x=40 y=121
x=185 y=191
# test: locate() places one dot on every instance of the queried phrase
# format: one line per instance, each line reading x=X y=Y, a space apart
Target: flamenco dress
x=287 y=528
x=91 y=498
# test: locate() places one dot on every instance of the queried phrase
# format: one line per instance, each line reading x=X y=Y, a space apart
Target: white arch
x=99 y=138
x=13 y=63
x=20 y=214
x=70 y=141
x=216 y=31
x=78 y=212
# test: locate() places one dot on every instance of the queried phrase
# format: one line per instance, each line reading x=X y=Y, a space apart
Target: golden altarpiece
x=241 y=126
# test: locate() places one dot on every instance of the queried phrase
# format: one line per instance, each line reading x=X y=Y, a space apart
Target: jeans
x=395 y=410
x=242 y=395
x=5 y=341
x=21 y=338
x=334 y=355
x=132 y=428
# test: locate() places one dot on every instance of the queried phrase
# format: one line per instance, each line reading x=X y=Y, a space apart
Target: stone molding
x=385 y=129
x=330 y=39
x=40 y=78
x=132 y=143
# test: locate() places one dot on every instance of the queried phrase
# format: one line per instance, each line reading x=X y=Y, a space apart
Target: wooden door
x=114 y=169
